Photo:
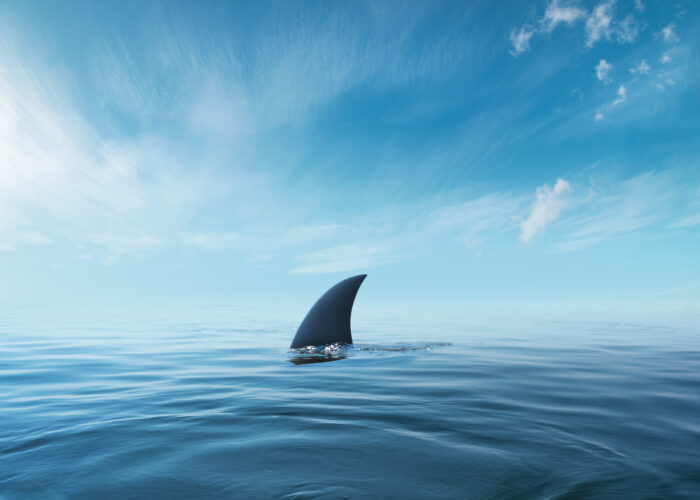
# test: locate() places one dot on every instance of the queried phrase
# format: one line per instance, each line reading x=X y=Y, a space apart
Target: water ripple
x=203 y=409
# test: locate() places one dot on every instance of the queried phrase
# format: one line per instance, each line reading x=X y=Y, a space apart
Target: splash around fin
x=328 y=321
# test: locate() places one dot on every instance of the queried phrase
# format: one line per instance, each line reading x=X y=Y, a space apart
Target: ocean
x=214 y=405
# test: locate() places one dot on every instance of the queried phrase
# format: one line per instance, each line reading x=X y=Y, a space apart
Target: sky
x=475 y=154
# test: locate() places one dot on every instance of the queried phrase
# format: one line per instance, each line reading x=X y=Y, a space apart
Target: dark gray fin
x=328 y=321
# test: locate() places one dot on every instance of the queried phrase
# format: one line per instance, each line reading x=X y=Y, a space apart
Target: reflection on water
x=218 y=409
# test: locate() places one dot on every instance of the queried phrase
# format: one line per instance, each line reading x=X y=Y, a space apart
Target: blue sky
x=485 y=153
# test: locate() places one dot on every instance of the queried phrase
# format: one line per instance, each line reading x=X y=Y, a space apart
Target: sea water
x=216 y=406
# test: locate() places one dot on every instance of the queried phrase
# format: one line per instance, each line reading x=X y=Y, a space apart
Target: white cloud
x=621 y=95
x=602 y=71
x=639 y=5
x=665 y=58
x=599 y=116
x=520 y=39
x=627 y=30
x=546 y=209
x=668 y=33
x=641 y=69
x=558 y=12
x=598 y=24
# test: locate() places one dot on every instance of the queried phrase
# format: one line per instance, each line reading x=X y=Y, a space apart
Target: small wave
x=423 y=346
x=337 y=351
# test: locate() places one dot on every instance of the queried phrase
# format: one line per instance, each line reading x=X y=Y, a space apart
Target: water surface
x=219 y=408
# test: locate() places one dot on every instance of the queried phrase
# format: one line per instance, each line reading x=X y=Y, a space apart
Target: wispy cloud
x=475 y=221
x=641 y=69
x=627 y=30
x=668 y=33
x=213 y=155
x=619 y=209
x=472 y=223
x=520 y=40
x=60 y=177
x=297 y=67
x=621 y=95
x=597 y=214
x=549 y=203
x=558 y=12
x=602 y=71
x=200 y=116
x=598 y=24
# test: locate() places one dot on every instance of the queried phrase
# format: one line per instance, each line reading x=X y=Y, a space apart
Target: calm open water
x=218 y=408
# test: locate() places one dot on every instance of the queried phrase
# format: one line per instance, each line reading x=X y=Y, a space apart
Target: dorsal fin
x=328 y=321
